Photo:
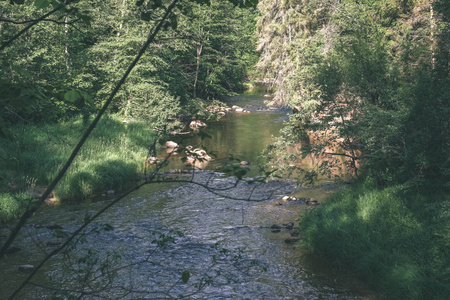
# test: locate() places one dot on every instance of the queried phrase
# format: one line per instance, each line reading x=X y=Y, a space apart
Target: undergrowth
x=112 y=157
x=397 y=241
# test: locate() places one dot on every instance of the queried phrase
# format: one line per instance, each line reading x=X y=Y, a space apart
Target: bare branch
x=46 y=20
x=34 y=22
x=61 y=173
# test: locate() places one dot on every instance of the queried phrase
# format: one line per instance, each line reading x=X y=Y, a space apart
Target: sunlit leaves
x=17 y=1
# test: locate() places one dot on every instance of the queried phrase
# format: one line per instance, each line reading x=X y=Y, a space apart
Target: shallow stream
x=235 y=240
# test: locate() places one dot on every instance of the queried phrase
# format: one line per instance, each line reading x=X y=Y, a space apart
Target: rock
x=289 y=225
x=267 y=95
x=195 y=124
x=222 y=113
x=244 y=163
x=312 y=201
x=171 y=145
x=26 y=268
x=295 y=233
x=234 y=107
x=288 y=198
x=54 y=226
x=152 y=160
x=51 y=201
x=291 y=240
x=239 y=109
x=196 y=154
x=110 y=192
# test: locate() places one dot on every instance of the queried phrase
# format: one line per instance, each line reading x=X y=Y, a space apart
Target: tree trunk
x=199 y=52
x=66 y=49
x=122 y=14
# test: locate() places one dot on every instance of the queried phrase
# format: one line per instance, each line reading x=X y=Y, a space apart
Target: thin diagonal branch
x=61 y=173
x=34 y=22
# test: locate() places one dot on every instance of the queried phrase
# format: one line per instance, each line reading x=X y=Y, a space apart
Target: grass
x=396 y=241
x=112 y=157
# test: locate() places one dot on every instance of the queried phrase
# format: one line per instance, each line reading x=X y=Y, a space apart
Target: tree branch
x=31 y=21
x=52 y=185
x=34 y=22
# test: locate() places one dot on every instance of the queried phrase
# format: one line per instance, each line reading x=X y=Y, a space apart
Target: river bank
x=396 y=241
x=112 y=157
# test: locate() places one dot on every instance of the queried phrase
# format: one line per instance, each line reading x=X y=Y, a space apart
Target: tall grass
x=112 y=157
x=398 y=242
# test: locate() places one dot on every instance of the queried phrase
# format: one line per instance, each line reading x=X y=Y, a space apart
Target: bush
x=11 y=206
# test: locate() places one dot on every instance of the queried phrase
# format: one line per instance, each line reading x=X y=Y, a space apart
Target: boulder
x=51 y=201
x=152 y=160
x=288 y=198
x=244 y=163
x=195 y=124
x=291 y=240
x=289 y=225
x=171 y=145
x=312 y=201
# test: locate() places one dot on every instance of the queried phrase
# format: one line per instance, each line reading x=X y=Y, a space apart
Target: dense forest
x=367 y=82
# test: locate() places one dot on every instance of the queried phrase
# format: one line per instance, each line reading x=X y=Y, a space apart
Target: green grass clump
x=11 y=206
x=112 y=156
x=398 y=242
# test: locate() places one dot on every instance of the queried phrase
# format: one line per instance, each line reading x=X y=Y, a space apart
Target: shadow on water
x=232 y=249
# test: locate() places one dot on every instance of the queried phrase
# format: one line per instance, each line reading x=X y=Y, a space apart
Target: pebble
x=26 y=268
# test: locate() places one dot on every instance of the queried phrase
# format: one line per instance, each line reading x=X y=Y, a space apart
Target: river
x=229 y=248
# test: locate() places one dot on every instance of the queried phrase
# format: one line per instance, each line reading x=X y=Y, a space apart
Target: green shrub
x=11 y=206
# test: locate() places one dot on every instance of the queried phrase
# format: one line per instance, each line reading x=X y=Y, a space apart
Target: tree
x=355 y=75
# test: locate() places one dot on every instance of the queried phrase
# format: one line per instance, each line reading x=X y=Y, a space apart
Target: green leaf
x=139 y=2
x=86 y=19
x=174 y=22
x=185 y=276
x=17 y=1
x=41 y=3
x=72 y=96
x=145 y=16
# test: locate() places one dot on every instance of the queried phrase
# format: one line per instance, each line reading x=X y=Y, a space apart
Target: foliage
x=392 y=239
x=367 y=81
x=11 y=206
x=68 y=65
x=112 y=157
